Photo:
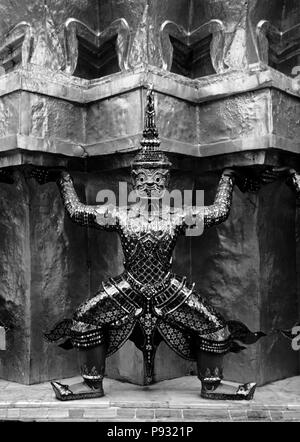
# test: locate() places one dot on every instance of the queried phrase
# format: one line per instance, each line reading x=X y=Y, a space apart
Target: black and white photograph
x=149 y=214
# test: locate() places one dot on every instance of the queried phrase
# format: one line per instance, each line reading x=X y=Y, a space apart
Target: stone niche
x=73 y=80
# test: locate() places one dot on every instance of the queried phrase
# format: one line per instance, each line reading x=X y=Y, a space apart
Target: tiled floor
x=176 y=400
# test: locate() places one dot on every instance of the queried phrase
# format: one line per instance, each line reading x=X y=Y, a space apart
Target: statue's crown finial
x=150 y=132
x=149 y=155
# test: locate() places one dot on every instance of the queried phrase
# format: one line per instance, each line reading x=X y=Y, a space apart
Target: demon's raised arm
x=218 y=212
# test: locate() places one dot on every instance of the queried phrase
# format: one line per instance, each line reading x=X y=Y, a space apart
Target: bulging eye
x=141 y=178
x=157 y=179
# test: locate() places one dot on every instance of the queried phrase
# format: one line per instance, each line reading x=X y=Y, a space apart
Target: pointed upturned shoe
x=63 y=393
x=244 y=392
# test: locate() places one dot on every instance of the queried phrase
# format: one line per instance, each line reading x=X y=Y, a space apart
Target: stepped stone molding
x=55 y=114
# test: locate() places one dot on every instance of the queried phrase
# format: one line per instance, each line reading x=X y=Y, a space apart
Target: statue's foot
x=229 y=391
x=76 y=391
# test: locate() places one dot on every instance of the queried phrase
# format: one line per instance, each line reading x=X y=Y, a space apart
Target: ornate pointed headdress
x=149 y=156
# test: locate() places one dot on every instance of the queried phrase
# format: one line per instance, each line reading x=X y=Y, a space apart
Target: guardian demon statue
x=148 y=302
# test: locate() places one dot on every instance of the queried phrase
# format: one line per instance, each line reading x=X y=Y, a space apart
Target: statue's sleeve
x=218 y=212
x=208 y=216
x=101 y=217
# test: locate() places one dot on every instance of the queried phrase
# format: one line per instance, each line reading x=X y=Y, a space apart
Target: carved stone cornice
x=228 y=100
